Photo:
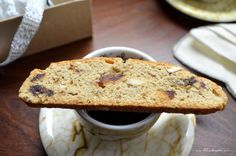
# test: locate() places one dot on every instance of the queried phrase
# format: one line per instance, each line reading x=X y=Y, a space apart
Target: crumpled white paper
x=211 y=50
x=11 y=8
x=33 y=14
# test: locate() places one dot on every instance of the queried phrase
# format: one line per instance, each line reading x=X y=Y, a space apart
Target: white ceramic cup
x=117 y=132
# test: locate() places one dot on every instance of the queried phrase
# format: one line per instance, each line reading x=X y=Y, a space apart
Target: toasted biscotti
x=114 y=84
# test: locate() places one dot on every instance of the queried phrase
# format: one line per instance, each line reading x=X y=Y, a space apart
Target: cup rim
x=135 y=125
x=98 y=52
x=85 y=116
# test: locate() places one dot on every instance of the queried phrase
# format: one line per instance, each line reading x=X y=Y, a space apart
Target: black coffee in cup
x=116 y=117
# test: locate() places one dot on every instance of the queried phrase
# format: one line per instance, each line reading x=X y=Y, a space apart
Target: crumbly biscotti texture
x=114 y=84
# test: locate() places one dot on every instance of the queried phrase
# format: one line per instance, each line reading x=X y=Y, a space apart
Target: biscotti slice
x=114 y=84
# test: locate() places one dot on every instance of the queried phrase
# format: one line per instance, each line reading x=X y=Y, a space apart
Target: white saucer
x=63 y=135
x=220 y=11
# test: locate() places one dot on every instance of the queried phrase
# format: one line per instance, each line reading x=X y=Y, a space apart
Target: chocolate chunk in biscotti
x=114 y=84
x=38 y=89
x=37 y=77
x=171 y=94
x=108 y=78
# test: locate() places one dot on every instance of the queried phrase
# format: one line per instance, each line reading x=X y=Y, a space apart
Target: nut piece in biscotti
x=113 y=84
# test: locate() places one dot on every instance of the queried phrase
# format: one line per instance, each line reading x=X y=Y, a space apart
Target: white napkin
x=211 y=50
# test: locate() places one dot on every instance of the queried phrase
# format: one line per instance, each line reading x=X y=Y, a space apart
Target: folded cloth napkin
x=211 y=50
